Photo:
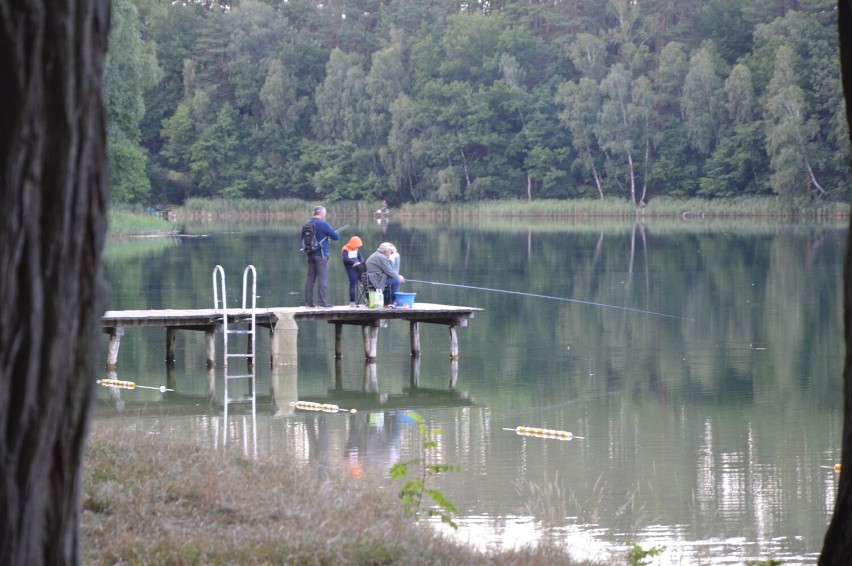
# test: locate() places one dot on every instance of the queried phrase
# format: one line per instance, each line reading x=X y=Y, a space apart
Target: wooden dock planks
x=209 y=321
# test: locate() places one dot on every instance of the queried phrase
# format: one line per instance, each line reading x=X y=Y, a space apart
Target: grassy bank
x=689 y=209
x=152 y=500
x=123 y=223
x=664 y=207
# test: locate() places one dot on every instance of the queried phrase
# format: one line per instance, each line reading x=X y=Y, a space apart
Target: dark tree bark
x=53 y=195
x=837 y=546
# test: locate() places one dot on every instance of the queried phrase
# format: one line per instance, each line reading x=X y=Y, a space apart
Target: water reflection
x=713 y=434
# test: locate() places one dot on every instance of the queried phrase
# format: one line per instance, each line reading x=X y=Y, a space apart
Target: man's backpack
x=309 y=237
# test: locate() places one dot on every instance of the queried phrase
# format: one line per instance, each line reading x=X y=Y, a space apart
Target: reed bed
x=614 y=208
x=246 y=209
x=611 y=208
x=151 y=500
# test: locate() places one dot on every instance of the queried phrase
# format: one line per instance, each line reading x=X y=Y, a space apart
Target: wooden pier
x=210 y=321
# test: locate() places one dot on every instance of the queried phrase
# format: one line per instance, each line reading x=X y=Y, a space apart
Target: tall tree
x=702 y=101
x=131 y=68
x=837 y=546
x=789 y=132
x=53 y=202
x=581 y=102
x=624 y=127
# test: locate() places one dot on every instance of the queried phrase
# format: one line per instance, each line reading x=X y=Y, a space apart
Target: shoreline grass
x=153 y=500
x=126 y=223
x=662 y=207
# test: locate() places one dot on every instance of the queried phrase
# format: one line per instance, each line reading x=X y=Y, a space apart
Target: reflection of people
x=353 y=261
x=318 y=260
x=318 y=444
x=380 y=271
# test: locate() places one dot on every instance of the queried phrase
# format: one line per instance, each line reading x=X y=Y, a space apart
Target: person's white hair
x=385 y=246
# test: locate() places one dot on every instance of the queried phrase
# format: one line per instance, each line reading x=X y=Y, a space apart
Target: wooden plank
x=209 y=320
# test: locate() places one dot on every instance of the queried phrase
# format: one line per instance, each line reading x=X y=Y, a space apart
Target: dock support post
x=415 y=372
x=171 y=339
x=371 y=380
x=115 y=335
x=454 y=344
x=210 y=338
x=273 y=347
x=371 y=338
x=338 y=340
x=415 y=338
x=283 y=380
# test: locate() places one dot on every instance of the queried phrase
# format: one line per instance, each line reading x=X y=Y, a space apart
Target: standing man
x=318 y=258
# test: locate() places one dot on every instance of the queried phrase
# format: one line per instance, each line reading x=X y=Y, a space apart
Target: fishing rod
x=546 y=297
x=338 y=230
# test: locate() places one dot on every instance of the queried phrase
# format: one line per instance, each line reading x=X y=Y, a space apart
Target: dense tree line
x=442 y=100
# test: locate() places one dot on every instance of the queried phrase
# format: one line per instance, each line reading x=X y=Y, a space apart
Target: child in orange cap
x=353 y=261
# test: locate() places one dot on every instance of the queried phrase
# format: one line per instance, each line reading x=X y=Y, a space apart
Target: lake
x=698 y=364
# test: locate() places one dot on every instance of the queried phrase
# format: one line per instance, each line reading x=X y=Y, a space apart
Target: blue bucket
x=403 y=299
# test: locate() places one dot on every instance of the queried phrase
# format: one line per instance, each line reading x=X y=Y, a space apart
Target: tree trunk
x=837 y=546
x=53 y=211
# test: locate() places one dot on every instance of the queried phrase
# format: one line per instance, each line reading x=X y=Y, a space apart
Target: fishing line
x=547 y=297
x=121 y=384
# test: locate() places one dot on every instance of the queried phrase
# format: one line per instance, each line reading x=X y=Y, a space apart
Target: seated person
x=395 y=259
x=380 y=270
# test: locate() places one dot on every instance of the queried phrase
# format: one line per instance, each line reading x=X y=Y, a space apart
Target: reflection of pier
x=284 y=389
x=210 y=321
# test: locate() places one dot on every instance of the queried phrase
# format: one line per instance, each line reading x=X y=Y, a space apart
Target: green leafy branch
x=415 y=488
x=638 y=555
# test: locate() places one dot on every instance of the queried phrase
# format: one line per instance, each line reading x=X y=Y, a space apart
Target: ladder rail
x=251 y=336
x=219 y=270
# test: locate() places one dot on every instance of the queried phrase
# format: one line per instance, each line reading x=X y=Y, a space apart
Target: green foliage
x=414 y=489
x=637 y=555
x=130 y=68
x=424 y=100
x=128 y=179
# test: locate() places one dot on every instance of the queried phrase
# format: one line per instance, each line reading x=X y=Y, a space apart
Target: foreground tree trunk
x=52 y=222
x=837 y=546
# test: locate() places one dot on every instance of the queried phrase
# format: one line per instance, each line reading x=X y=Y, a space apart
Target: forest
x=450 y=101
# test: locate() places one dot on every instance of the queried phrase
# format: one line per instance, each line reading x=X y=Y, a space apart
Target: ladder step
x=240 y=331
x=239 y=376
x=240 y=400
x=240 y=355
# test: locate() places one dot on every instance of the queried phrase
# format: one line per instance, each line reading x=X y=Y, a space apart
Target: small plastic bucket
x=403 y=299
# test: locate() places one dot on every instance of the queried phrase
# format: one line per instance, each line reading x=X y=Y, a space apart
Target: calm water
x=701 y=363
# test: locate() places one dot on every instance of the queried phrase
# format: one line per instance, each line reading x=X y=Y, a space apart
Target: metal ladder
x=241 y=327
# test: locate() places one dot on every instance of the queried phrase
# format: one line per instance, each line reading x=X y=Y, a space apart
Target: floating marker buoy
x=121 y=384
x=543 y=432
x=117 y=383
x=324 y=407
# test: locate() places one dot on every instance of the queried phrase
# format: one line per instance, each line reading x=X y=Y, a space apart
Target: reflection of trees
x=736 y=295
x=759 y=285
